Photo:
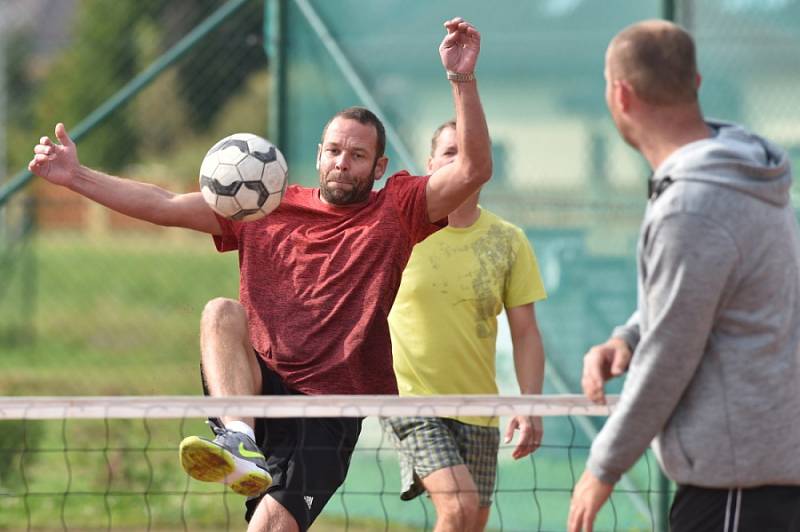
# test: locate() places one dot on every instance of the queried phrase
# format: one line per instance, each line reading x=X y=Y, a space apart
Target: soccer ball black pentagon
x=243 y=177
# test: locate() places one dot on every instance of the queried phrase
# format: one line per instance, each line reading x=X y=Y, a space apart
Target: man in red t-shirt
x=318 y=278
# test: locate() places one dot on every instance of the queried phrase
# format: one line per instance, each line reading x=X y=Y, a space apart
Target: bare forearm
x=453 y=183
x=528 y=348
x=144 y=201
x=139 y=200
x=529 y=365
x=472 y=133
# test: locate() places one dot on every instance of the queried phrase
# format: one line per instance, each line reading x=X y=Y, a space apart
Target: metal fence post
x=274 y=47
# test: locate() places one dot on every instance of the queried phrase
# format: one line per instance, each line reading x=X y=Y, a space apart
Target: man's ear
x=380 y=167
x=623 y=92
x=319 y=154
x=697 y=81
x=428 y=168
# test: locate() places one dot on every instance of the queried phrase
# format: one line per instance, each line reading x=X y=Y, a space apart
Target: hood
x=734 y=158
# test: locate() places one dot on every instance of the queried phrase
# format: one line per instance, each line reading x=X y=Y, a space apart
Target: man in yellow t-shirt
x=444 y=328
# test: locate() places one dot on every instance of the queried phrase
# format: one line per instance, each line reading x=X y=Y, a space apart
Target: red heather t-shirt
x=318 y=281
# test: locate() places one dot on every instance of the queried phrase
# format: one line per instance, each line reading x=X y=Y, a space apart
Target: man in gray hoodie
x=714 y=345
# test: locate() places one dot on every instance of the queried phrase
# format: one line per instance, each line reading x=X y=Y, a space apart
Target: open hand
x=530 y=435
x=57 y=163
x=589 y=495
x=460 y=47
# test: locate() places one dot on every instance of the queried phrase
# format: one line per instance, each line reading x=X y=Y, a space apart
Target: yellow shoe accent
x=252 y=484
x=204 y=460
x=208 y=462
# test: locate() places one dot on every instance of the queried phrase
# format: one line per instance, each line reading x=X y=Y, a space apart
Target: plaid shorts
x=427 y=444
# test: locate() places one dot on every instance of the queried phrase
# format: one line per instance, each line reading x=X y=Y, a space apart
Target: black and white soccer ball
x=243 y=177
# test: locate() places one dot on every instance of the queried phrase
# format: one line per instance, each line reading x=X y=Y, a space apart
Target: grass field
x=114 y=316
x=119 y=316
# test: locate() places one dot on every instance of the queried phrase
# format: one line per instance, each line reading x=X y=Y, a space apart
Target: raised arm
x=450 y=185
x=59 y=164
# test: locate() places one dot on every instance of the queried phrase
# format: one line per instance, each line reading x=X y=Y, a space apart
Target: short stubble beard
x=358 y=194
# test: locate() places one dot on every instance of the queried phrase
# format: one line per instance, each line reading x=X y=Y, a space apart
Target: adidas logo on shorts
x=309 y=501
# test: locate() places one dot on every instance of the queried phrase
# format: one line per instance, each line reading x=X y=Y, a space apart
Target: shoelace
x=216 y=428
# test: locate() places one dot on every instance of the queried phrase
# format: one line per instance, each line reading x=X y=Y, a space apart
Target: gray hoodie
x=715 y=375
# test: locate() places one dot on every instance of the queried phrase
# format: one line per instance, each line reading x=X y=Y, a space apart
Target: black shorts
x=308 y=458
x=761 y=509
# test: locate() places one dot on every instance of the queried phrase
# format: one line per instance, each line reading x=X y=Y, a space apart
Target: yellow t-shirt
x=444 y=319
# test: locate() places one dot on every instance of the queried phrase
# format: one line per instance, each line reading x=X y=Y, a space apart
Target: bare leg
x=455 y=497
x=230 y=368
x=271 y=516
x=229 y=360
x=483 y=518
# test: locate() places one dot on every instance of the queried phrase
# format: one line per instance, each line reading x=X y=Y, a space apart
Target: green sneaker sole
x=208 y=462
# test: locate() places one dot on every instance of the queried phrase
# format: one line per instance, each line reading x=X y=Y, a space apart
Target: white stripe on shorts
x=738 y=506
x=735 y=512
x=728 y=510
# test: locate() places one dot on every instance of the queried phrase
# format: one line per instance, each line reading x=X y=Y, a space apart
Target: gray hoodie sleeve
x=629 y=332
x=686 y=260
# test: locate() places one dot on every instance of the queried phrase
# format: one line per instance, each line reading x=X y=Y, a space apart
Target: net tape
x=168 y=407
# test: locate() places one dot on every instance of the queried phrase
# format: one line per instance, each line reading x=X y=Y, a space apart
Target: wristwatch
x=460 y=77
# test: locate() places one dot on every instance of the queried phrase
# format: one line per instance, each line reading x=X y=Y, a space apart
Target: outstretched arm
x=59 y=164
x=449 y=186
x=529 y=366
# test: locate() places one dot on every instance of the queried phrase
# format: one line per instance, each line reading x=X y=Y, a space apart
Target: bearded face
x=347 y=163
x=343 y=187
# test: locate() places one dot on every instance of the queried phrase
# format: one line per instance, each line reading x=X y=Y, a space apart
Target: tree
x=100 y=60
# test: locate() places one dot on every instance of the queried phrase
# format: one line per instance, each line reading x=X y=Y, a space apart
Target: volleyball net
x=111 y=463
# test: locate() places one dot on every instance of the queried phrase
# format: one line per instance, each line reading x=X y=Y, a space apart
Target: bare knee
x=482 y=519
x=228 y=360
x=223 y=313
x=457 y=511
x=271 y=516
